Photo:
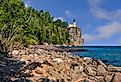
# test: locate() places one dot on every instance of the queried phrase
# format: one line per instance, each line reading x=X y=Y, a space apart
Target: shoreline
x=36 y=64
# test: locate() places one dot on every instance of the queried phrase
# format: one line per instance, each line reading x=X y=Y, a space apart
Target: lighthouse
x=75 y=34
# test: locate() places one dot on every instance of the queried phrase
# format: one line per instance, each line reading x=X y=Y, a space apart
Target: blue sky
x=99 y=20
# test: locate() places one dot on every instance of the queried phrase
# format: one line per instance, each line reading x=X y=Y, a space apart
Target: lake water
x=108 y=54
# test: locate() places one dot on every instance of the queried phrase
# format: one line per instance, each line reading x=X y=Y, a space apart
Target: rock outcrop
x=75 y=35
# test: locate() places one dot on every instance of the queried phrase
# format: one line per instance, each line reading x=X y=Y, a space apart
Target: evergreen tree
x=26 y=26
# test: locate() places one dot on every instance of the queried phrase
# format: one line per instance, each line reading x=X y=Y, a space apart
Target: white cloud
x=89 y=37
x=94 y=3
x=69 y=14
x=61 y=18
x=105 y=31
x=97 y=11
x=109 y=29
x=28 y=4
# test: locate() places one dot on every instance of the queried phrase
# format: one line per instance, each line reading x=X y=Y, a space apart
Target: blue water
x=108 y=54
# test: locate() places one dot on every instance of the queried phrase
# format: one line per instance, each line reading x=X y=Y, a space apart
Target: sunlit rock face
x=75 y=35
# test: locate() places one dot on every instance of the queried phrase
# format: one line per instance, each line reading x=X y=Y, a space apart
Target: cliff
x=75 y=35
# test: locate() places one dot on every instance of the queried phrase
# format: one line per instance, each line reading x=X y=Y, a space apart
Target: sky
x=99 y=20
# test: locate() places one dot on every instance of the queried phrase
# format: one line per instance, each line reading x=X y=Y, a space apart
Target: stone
x=87 y=59
x=74 y=64
x=43 y=68
x=78 y=69
x=46 y=44
x=62 y=65
x=39 y=73
x=52 y=78
x=22 y=80
x=43 y=80
x=58 y=60
x=109 y=78
x=93 y=79
x=39 y=60
x=101 y=63
x=55 y=74
x=100 y=79
x=22 y=52
x=90 y=71
x=114 y=69
x=24 y=58
x=101 y=70
x=15 y=52
x=80 y=80
x=86 y=80
x=81 y=69
x=117 y=77
x=39 y=51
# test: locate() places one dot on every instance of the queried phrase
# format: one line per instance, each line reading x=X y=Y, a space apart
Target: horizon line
x=102 y=44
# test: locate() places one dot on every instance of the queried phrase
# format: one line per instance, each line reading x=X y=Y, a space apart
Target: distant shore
x=41 y=64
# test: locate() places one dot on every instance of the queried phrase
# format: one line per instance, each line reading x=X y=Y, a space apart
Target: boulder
x=101 y=70
x=15 y=52
x=90 y=71
x=22 y=80
x=87 y=60
x=99 y=79
x=25 y=58
x=39 y=73
x=94 y=79
x=44 y=68
x=80 y=80
x=114 y=69
x=81 y=68
x=109 y=78
x=101 y=63
x=78 y=69
x=117 y=77
x=39 y=51
x=58 y=60
x=39 y=60
x=55 y=74
x=46 y=44
x=52 y=78
x=22 y=52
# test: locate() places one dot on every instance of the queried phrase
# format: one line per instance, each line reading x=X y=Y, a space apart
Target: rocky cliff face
x=75 y=35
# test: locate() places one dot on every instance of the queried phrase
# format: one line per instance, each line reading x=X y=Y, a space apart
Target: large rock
x=25 y=58
x=87 y=60
x=22 y=80
x=117 y=77
x=109 y=78
x=15 y=52
x=94 y=79
x=22 y=52
x=114 y=69
x=44 y=68
x=90 y=70
x=58 y=60
x=99 y=79
x=101 y=63
x=101 y=70
x=78 y=69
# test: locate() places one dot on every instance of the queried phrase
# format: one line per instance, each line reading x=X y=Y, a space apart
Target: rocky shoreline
x=42 y=65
